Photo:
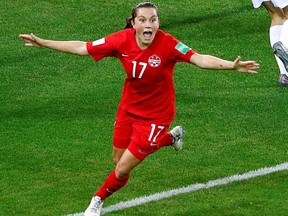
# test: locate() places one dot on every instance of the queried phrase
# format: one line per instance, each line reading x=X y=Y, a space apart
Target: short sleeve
x=101 y=48
x=180 y=51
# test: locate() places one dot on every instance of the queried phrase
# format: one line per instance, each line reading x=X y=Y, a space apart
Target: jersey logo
x=182 y=48
x=154 y=61
x=98 y=42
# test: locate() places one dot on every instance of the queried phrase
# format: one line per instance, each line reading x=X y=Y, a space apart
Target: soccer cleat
x=177 y=133
x=281 y=52
x=283 y=80
x=94 y=208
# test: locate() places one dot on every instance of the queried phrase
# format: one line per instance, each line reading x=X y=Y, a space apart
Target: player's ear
x=132 y=23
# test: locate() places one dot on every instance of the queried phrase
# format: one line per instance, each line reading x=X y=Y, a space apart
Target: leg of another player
x=277 y=21
x=276 y=28
x=284 y=34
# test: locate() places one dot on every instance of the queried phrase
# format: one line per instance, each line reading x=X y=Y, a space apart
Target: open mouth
x=147 y=34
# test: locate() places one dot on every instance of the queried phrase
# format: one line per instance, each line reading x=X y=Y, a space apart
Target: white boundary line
x=194 y=187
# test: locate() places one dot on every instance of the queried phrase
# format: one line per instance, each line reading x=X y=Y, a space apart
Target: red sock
x=111 y=185
x=165 y=140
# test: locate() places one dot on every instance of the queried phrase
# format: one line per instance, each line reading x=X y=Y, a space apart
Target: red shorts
x=139 y=135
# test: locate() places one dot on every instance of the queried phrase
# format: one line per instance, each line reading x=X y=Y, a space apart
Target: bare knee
x=122 y=170
x=117 y=154
x=125 y=165
x=116 y=159
x=277 y=15
x=277 y=19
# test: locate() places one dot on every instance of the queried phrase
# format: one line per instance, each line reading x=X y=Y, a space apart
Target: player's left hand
x=32 y=40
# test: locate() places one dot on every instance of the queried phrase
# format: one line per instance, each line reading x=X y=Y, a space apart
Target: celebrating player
x=147 y=107
x=278 y=11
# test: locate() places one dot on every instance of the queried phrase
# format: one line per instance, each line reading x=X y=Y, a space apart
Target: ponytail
x=128 y=23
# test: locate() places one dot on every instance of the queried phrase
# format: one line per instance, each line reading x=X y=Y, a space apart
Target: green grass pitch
x=57 y=112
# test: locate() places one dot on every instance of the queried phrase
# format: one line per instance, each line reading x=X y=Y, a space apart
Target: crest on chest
x=154 y=61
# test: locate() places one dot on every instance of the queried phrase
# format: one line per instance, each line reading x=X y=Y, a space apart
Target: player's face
x=146 y=24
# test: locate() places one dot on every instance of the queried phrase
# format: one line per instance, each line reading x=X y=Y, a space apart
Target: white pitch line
x=194 y=187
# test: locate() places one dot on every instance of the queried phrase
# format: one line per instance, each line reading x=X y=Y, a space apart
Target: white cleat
x=94 y=208
x=177 y=133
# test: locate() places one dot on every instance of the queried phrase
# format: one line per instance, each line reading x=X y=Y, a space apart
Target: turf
x=57 y=112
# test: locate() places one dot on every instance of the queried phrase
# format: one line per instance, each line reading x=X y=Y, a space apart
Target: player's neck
x=142 y=45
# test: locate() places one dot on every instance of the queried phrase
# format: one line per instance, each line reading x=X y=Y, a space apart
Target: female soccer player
x=278 y=34
x=147 y=107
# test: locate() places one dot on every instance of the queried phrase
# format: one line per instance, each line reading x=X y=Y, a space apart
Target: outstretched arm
x=212 y=62
x=72 y=47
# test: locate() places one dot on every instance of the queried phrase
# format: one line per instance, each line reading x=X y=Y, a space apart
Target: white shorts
x=277 y=3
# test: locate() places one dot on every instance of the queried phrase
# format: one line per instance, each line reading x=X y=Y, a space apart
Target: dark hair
x=134 y=12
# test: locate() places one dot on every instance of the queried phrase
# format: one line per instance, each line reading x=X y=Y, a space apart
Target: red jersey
x=149 y=87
